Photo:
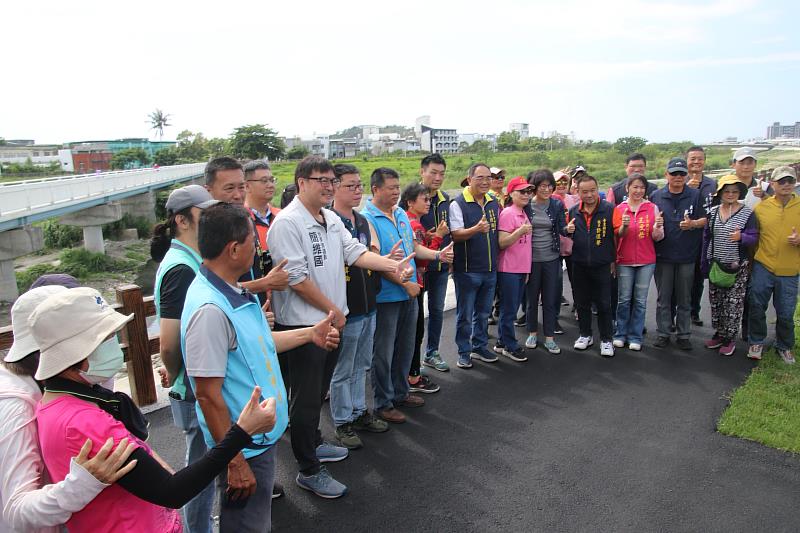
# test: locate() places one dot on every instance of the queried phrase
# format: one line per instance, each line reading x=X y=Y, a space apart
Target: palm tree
x=158 y=121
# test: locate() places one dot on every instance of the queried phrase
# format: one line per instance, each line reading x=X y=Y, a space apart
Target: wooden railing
x=137 y=345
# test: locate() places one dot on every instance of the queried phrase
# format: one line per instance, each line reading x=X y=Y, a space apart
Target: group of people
x=265 y=312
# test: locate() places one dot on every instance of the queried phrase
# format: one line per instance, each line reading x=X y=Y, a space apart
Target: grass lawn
x=766 y=408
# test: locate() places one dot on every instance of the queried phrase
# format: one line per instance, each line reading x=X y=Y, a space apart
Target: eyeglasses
x=326 y=182
x=481 y=179
x=684 y=174
x=353 y=187
x=265 y=181
x=545 y=185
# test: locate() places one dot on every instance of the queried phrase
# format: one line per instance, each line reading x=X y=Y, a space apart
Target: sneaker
x=424 y=385
x=754 y=352
x=619 y=343
x=517 y=355
x=696 y=321
x=435 y=361
x=684 y=344
x=583 y=342
x=531 y=342
x=321 y=484
x=369 y=422
x=464 y=361
x=347 y=437
x=277 y=490
x=558 y=330
x=606 y=349
x=635 y=347
x=330 y=453
x=787 y=356
x=492 y=320
x=411 y=401
x=521 y=322
x=498 y=348
x=727 y=348
x=661 y=342
x=392 y=415
x=552 y=347
x=482 y=354
x=714 y=342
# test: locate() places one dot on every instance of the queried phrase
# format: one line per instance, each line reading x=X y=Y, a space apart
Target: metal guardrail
x=23 y=202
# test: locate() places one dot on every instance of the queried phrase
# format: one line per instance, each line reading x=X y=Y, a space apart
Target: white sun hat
x=24 y=343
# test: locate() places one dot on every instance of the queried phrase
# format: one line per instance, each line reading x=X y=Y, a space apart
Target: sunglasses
x=786 y=180
x=678 y=174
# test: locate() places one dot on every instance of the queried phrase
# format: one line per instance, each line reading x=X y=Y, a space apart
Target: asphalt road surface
x=573 y=442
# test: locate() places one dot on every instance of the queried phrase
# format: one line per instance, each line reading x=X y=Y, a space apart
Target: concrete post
x=90 y=220
x=16 y=243
x=141 y=205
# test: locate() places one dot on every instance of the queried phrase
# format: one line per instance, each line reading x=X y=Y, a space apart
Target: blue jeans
x=511 y=286
x=633 y=284
x=783 y=291
x=436 y=287
x=256 y=514
x=348 y=384
x=395 y=328
x=196 y=513
x=474 y=294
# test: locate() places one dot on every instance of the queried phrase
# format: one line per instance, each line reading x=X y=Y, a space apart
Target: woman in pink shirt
x=637 y=225
x=514 y=264
x=76 y=333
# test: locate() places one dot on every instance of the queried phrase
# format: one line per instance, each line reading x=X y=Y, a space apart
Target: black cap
x=677 y=164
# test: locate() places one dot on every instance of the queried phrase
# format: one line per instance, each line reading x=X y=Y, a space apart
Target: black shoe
x=696 y=321
x=520 y=322
x=661 y=342
x=564 y=302
x=558 y=329
x=673 y=328
x=684 y=344
x=644 y=331
x=492 y=320
x=277 y=490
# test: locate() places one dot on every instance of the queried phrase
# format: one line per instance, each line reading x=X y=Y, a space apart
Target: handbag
x=721 y=274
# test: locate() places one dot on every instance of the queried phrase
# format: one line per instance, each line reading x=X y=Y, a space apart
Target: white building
x=521 y=128
x=40 y=155
x=439 y=140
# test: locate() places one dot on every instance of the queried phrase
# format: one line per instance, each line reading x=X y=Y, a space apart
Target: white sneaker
x=635 y=347
x=619 y=343
x=606 y=349
x=583 y=342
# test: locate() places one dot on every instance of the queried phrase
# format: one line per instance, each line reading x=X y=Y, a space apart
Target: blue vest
x=253 y=362
x=178 y=254
x=388 y=235
x=479 y=252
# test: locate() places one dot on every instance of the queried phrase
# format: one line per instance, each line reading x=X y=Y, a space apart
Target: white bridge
x=24 y=202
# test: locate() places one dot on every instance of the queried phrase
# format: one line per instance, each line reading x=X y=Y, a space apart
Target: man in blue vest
x=473 y=227
x=174 y=246
x=396 y=321
x=228 y=349
x=432 y=174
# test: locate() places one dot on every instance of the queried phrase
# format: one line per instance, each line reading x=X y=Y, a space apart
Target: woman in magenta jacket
x=637 y=225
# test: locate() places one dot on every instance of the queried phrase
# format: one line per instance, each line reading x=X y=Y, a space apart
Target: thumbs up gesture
x=442 y=229
x=571 y=226
x=257 y=417
x=794 y=238
x=525 y=229
x=686 y=223
x=268 y=313
x=446 y=254
x=660 y=220
x=396 y=252
x=324 y=334
x=758 y=190
x=483 y=225
x=626 y=219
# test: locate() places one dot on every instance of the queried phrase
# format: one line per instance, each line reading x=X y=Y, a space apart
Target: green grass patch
x=77 y=262
x=766 y=408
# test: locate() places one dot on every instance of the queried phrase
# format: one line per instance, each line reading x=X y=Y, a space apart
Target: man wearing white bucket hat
x=26 y=507
x=76 y=334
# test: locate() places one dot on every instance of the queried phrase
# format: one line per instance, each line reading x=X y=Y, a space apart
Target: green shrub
x=58 y=236
x=77 y=262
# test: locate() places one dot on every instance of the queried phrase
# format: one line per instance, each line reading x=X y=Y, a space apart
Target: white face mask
x=104 y=362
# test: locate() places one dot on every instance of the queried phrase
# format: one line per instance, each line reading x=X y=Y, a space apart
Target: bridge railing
x=137 y=345
x=18 y=198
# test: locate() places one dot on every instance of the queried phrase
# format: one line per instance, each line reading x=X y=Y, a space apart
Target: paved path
x=561 y=443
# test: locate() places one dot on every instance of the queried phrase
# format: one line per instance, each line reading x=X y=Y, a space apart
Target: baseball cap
x=744 y=153
x=517 y=184
x=69 y=326
x=677 y=164
x=189 y=196
x=783 y=172
x=24 y=343
x=496 y=170
x=65 y=280
x=575 y=171
x=559 y=175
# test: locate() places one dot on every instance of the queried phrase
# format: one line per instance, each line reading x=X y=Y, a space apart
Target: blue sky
x=662 y=70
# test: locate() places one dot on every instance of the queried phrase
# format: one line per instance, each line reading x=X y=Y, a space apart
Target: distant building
x=780 y=131
x=90 y=157
x=40 y=155
x=421 y=121
x=343 y=148
x=521 y=128
x=366 y=131
x=439 y=140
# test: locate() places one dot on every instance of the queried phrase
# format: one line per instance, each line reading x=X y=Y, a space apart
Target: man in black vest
x=473 y=226
x=636 y=163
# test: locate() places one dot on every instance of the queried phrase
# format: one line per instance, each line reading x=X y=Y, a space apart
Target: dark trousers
x=309 y=369
x=592 y=285
x=545 y=280
x=416 y=361
x=697 y=289
x=255 y=516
